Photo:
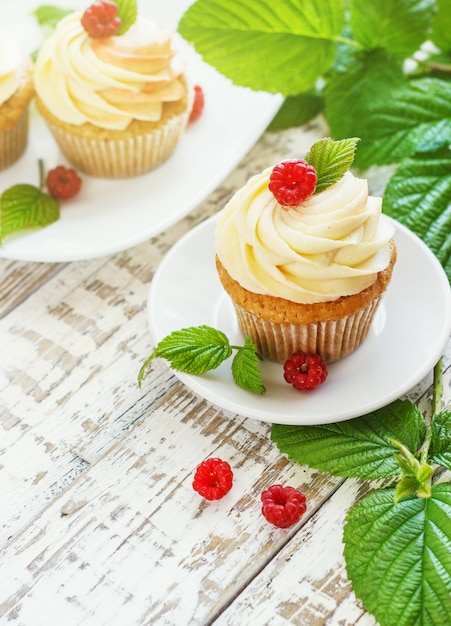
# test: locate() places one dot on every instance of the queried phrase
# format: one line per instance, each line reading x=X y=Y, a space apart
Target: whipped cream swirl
x=12 y=63
x=333 y=244
x=111 y=81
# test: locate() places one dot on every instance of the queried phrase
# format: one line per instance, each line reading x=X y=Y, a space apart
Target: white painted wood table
x=99 y=523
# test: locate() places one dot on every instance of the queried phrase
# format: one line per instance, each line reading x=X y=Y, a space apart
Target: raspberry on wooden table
x=213 y=479
x=63 y=182
x=100 y=19
x=291 y=182
x=283 y=506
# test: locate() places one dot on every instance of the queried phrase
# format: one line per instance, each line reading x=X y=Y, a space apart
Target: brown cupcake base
x=280 y=327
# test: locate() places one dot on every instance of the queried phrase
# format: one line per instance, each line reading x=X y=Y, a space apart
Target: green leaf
x=358 y=447
x=398 y=26
x=331 y=159
x=23 y=207
x=440 y=450
x=419 y=196
x=441 y=27
x=356 y=81
x=416 y=477
x=398 y=556
x=245 y=368
x=293 y=41
x=49 y=15
x=127 y=12
x=195 y=350
x=297 y=110
x=415 y=117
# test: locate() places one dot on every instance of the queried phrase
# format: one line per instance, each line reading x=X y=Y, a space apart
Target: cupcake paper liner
x=120 y=158
x=332 y=339
x=13 y=141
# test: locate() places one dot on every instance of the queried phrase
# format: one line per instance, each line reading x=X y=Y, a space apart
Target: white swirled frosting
x=333 y=244
x=109 y=81
x=11 y=68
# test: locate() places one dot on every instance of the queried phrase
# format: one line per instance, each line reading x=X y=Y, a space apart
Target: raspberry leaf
x=361 y=447
x=419 y=196
x=398 y=27
x=198 y=349
x=23 y=207
x=49 y=15
x=194 y=350
x=331 y=159
x=441 y=32
x=440 y=450
x=245 y=368
x=127 y=12
x=412 y=117
x=398 y=556
x=262 y=33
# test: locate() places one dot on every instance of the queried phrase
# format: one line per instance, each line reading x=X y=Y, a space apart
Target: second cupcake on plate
x=113 y=94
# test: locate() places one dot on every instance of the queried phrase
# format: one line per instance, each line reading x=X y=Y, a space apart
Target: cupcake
x=116 y=102
x=306 y=255
x=16 y=92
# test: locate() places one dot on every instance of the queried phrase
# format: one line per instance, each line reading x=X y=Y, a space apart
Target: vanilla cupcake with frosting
x=116 y=102
x=16 y=92
x=306 y=268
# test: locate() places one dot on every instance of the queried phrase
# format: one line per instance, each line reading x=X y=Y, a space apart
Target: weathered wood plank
x=139 y=546
x=18 y=280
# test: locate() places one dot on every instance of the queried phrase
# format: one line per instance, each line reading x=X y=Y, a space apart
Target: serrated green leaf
x=49 y=15
x=440 y=450
x=23 y=207
x=194 y=350
x=358 y=447
x=415 y=117
x=127 y=12
x=398 y=556
x=331 y=159
x=441 y=27
x=352 y=87
x=419 y=196
x=398 y=26
x=245 y=368
x=293 y=41
x=297 y=110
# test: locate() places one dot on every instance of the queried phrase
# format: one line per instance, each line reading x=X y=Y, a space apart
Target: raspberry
x=198 y=104
x=213 y=479
x=292 y=182
x=283 y=506
x=63 y=182
x=100 y=19
x=305 y=371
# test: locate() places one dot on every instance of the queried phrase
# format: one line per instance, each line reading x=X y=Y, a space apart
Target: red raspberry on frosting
x=292 y=182
x=100 y=19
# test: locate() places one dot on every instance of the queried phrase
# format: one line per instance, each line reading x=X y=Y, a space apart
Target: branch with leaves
x=379 y=71
x=397 y=540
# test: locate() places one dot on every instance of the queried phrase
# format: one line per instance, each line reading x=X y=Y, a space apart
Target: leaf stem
x=41 y=174
x=437 y=391
x=347 y=42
